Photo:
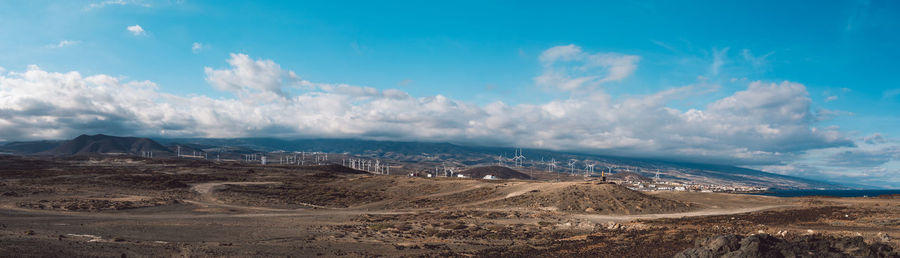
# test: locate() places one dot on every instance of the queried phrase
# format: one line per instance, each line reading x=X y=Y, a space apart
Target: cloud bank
x=766 y=123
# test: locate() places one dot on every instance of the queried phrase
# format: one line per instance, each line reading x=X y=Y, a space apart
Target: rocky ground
x=133 y=207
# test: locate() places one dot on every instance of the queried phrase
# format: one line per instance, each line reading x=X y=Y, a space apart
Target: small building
x=489 y=177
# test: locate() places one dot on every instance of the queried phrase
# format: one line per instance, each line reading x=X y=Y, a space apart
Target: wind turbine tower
x=519 y=158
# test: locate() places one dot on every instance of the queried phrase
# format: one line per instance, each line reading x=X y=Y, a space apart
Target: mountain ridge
x=105 y=144
x=427 y=153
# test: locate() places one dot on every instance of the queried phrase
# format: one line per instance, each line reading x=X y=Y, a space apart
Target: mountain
x=424 y=156
x=427 y=154
x=24 y=148
x=105 y=144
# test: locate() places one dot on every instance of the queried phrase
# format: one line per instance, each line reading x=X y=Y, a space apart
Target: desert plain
x=134 y=207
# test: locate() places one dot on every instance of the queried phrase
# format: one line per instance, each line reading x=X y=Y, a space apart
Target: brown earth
x=134 y=207
x=496 y=171
x=592 y=198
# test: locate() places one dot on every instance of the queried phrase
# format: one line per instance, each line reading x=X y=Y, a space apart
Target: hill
x=335 y=168
x=24 y=148
x=424 y=156
x=105 y=144
x=630 y=176
x=497 y=171
x=435 y=153
x=592 y=198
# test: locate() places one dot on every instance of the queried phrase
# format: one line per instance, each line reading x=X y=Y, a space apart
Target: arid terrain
x=176 y=207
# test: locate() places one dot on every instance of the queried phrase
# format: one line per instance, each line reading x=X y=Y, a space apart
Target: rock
x=589 y=210
x=884 y=237
x=764 y=245
x=11 y=194
x=760 y=245
x=173 y=183
x=586 y=225
x=613 y=226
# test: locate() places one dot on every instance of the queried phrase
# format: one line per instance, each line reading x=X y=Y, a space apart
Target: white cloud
x=768 y=123
x=873 y=162
x=569 y=68
x=831 y=98
x=65 y=43
x=561 y=53
x=136 y=30
x=249 y=78
x=197 y=47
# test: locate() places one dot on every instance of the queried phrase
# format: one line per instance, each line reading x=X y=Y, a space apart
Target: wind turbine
x=519 y=158
x=572 y=167
x=552 y=167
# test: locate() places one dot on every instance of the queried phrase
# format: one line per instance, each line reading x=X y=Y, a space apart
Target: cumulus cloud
x=136 y=30
x=767 y=123
x=248 y=77
x=568 y=67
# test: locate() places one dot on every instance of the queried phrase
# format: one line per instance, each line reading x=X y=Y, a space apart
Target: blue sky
x=792 y=88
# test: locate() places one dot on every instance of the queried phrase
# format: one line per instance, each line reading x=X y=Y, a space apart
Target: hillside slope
x=24 y=148
x=105 y=144
x=496 y=171
x=426 y=155
x=434 y=153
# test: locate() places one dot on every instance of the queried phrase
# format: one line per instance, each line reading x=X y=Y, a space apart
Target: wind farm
x=110 y=202
x=173 y=128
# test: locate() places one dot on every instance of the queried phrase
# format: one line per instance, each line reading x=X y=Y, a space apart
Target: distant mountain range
x=422 y=154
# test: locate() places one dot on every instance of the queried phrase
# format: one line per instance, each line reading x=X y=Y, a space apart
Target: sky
x=789 y=88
